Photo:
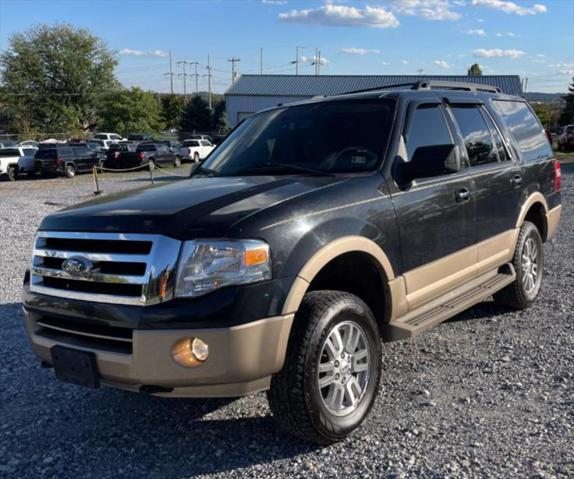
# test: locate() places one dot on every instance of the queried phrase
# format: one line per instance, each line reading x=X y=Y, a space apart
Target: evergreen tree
x=474 y=70
x=172 y=107
x=196 y=117
x=219 y=117
x=567 y=115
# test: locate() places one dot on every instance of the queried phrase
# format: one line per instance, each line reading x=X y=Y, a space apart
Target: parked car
x=566 y=139
x=102 y=144
x=313 y=231
x=8 y=144
x=157 y=153
x=109 y=137
x=113 y=154
x=15 y=161
x=28 y=143
x=194 y=150
x=63 y=159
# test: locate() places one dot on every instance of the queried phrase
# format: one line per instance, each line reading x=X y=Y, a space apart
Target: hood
x=189 y=208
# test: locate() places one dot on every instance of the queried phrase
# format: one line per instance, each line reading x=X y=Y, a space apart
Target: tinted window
x=81 y=151
x=476 y=135
x=9 y=152
x=336 y=136
x=499 y=144
x=29 y=151
x=47 y=154
x=427 y=128
x=101 y=137
x=525 y=128
x=191 y=143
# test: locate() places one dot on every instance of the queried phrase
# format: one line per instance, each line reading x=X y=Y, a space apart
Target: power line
x=233 y=61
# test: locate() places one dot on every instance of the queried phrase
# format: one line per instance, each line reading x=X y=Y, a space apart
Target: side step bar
x=450 y=304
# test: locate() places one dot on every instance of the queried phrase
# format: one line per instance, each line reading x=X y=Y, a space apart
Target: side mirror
x=427 y=162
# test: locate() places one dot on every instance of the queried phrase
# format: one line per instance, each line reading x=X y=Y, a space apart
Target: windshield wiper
x=282 y=167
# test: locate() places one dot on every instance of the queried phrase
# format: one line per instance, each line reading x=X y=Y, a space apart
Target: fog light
x=190 y=352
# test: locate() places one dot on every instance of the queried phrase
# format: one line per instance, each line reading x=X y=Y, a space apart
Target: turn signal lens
x=557 y=175
x=190 y=352
x=255 y=256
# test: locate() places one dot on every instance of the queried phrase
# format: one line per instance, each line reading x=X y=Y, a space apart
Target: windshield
x=343 y=136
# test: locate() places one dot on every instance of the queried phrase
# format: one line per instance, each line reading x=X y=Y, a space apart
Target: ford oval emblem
x=77 y=265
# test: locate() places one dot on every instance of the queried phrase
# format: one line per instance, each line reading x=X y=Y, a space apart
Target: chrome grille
x=137 y=269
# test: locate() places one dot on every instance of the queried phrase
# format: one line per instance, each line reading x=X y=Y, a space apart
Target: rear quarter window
x=9 y=152
x=525 y=128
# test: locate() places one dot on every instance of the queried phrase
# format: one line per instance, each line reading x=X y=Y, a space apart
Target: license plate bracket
x=75 y=366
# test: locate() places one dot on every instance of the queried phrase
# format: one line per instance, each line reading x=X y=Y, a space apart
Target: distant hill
x=545 y=97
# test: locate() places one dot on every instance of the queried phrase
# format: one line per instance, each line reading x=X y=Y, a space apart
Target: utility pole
x=261 y=61
x=170 y=74
x=209 y=81
x=233 y=61
x=318 y=61
x=196 y=75
x=185 y=75
x=296 y=60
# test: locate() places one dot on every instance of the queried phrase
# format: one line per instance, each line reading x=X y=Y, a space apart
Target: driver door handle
x=462 y=195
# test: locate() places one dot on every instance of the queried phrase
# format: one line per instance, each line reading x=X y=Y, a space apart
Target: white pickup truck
x=194 y=150
x=14 y=161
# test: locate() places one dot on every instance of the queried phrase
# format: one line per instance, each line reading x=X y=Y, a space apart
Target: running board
x=450 y=304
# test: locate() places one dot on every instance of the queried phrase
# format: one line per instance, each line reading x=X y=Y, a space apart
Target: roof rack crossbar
x=434 y=84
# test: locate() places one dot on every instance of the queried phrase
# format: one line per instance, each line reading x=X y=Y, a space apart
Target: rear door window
x=428 y=128
x=525 y=128
x=9 y=152
x=476 y=135
x=46 y=154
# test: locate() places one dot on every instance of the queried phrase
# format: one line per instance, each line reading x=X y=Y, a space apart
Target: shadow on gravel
x=486 y=309
x=61 y=430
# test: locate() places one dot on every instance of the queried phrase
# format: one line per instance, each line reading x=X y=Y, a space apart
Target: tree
x=474 y=70
x=567 y=115
x=172 y=107
x=130 y=111
x=196 y=116
x=53 y=78
x=219 y=117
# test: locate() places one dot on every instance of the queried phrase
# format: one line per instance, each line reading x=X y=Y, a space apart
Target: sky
x=533 y=39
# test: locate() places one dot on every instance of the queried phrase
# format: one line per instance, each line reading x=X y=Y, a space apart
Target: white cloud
x=476 y=31
x=564 y=68
x=497 y=53
x=342 y=16
x=313 y=59
x=510 y=7
x=428 y=9
x=360 y=51
x=140 y=53
x=507 y=34
x=441 y=64
x=385 y=63
x=274 y=2
x=405 y=62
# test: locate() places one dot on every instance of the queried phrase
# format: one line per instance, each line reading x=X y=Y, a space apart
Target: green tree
x=567 y=115
x=172 y=107
x=219 y=117
x=543 y=113
x=474 y=70
x=54 y=77
x=196 y=116
x=130 y=111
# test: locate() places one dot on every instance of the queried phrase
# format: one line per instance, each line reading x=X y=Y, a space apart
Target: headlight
x=206 y=265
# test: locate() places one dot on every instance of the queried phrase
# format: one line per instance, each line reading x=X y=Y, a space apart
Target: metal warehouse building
x=251 y=93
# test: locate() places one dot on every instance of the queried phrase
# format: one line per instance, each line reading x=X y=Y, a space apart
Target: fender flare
x=332 y=250
x=534 y=198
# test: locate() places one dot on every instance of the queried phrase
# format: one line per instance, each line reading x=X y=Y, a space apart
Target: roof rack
x=436 y=85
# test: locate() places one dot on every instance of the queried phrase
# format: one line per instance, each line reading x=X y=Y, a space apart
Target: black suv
x=314 y=230
x=63 y=159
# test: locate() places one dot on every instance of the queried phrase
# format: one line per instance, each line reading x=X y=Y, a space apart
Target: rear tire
x=177 y=162
x=12 y=173
x=196 y=157
x=327 y=385
x=528 y=261
x=70 y=171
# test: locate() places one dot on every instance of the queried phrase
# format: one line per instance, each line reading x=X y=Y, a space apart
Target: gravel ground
x=487 y=394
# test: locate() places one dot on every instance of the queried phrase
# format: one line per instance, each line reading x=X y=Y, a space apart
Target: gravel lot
x=489 y=393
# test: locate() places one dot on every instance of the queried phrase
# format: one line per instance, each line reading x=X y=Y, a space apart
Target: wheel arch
x=535 y=210
x=372 y=268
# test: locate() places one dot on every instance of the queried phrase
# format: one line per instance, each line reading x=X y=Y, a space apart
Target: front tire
x=332 y=369
x=177 y=162
x=196 y=157
x=528 y=262
x=12 y=173
x=70 y=171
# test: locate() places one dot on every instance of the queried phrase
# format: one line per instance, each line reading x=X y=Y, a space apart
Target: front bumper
x=241 y=358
